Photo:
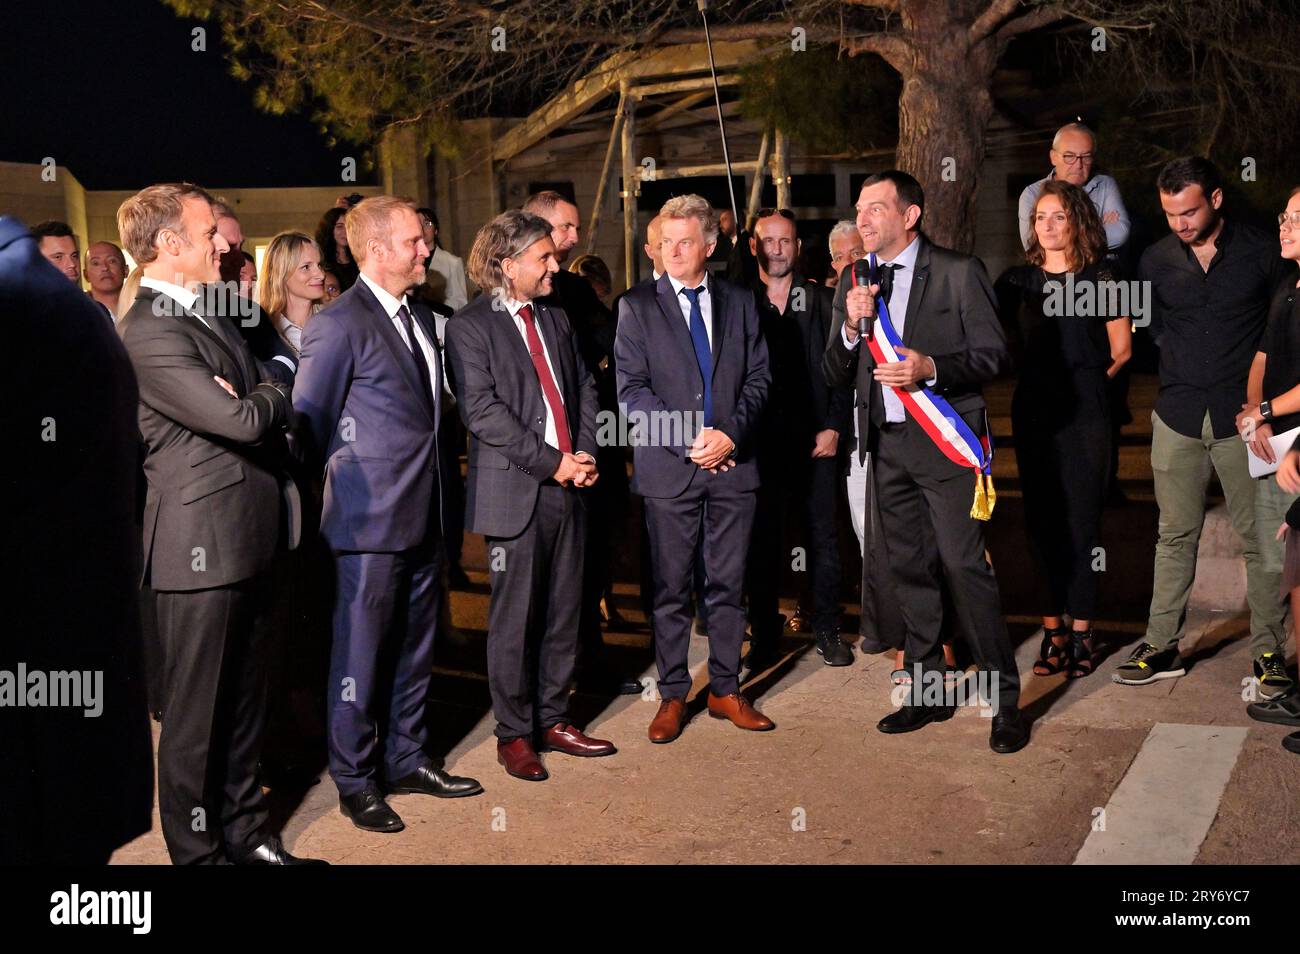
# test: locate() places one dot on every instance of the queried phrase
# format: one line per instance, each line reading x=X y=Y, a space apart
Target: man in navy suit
x=693 y=373
x=530 y=404
x=367 y=401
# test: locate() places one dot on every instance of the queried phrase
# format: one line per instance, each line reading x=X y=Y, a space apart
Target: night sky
x=113 y=91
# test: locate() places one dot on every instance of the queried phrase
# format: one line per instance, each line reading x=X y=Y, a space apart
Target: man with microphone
x=921 y=414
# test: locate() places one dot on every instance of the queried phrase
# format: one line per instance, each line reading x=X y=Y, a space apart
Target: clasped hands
x=712 y=450
x=915 y=366
x=579 y=468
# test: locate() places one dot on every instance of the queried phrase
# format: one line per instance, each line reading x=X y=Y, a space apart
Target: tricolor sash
x=944 y=426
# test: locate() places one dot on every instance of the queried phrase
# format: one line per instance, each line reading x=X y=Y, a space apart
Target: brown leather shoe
x=567 y=739
x=521 y=761
x=668 y=721
x=739 y=711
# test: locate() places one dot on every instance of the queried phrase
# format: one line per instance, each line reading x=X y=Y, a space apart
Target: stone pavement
x=1171 y=772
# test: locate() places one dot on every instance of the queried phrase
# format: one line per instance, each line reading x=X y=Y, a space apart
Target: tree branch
x=991 y=19
x=890 y=47
x=1035 y=19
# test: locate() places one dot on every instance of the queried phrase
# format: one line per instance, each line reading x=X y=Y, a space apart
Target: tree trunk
x=943 y=113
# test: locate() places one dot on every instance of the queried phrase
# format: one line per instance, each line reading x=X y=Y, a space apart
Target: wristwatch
x=1266 y=410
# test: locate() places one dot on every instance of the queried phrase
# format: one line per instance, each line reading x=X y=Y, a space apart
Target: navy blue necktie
x=703 y=354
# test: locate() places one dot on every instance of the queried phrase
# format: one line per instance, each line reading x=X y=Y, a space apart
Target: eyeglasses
x=1288 y=220
x=768 y=213
x=1071 y=158
x=332 y=289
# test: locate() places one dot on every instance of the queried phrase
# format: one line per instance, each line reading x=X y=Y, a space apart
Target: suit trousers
x=532 y=642
x=925 y=503
x=711 y=516
x=795 y=507
x=215 y=665
x=386 y=610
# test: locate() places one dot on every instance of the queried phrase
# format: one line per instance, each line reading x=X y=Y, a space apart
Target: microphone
x=862 y=279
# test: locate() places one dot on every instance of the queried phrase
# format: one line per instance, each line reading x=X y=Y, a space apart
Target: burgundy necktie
x=549 y=389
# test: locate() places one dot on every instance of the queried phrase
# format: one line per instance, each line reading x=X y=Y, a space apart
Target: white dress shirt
x=706 y=304
x=391 y=306
x=182 y=296
x=452 y=270
x=904 y=269
x=515 y=307
x=290 y=332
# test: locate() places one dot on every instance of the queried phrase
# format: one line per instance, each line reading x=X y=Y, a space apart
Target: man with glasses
x=1073 y=155
x=1211 y=280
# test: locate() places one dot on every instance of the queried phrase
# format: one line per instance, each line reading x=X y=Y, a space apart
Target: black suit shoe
x=369 y=812
x=910 y=718
x=430 y=780
x=1010 y=732
x=273 y=852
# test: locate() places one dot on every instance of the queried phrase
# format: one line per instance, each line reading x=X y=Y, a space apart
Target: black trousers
x=925 y=503
x=1063 y=449
x=718 y=520
x=532 y=642
x=795 y=508
x=606 y=506
x=215 y=660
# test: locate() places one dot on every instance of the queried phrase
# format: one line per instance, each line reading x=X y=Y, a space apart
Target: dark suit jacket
x=800 y=402
x=72 y=786
x=359 y=413
x=951 y=317
x=502 y=405
x=277 y=360
x=214 y=464
x=658 y=372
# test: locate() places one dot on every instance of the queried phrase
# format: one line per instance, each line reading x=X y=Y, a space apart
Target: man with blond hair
x=367 y=405
x=692 y=364
x=213 y=434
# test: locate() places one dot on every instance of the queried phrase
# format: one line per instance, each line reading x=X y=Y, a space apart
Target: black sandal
x=1083 y=655
x=1053 y=657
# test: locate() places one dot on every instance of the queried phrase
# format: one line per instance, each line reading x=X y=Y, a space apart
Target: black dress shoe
x=1010 y=732
x=429 y=780
x=603 y=683
x=273 y=852
x=369 y=812
x=910 y=718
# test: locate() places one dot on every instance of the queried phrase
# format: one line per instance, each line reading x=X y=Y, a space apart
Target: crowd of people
x=301 y=432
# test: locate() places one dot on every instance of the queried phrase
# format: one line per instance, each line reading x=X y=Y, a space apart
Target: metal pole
x=599 y=202
x=722 y=126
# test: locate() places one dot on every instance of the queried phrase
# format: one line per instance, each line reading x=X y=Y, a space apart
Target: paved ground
x=1174 y=771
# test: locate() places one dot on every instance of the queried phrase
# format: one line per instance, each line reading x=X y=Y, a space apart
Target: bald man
x=105 y=271
x=1074 y=156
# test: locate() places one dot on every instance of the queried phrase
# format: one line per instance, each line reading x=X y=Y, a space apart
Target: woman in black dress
x=1066 y=347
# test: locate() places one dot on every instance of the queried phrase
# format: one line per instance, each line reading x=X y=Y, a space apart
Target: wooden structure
x=656 y=93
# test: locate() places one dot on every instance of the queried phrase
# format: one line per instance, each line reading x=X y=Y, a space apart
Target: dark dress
x=1060 y=417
